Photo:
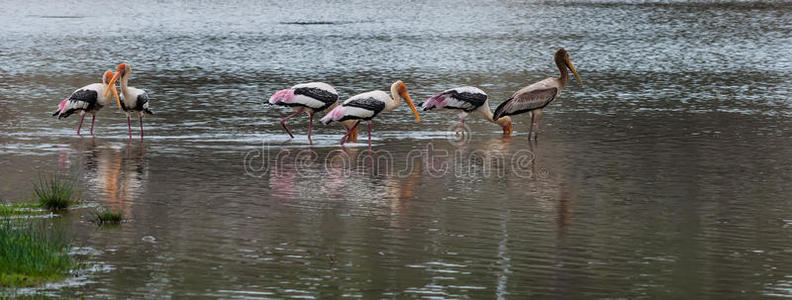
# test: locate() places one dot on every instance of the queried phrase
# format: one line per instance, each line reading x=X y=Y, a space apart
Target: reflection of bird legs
x=129 y=128
x=461 y=125
x=530 y=127
x=369 y=133
x=141 y=127
x=535 y=157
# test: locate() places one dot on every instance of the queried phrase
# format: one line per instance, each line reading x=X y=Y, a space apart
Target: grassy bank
x=32 y=254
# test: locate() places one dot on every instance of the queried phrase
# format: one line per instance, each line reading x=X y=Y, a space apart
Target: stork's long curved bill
x=111 y=87
x=571 y=67
x=412 y=106
x=115 y=94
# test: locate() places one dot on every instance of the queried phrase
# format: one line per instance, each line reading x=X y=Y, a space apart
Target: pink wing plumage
x=436 y=101
x=62 y=105
x=284 y=96
x=61 y=108
x=334 y=115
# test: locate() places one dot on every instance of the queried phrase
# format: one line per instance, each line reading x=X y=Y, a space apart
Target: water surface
x=666 y=177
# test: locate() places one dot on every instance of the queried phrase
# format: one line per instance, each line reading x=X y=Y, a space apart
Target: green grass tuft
x=31 y=254
x=56 y=192
x=21 y=209
x=107 y=216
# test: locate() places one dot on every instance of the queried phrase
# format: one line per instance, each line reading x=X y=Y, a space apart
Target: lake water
x=666 y=177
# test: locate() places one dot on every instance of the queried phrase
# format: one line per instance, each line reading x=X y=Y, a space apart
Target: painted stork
x=309 y=97
x=90 y=98
x=132 y=99
x=535 y=97
x=465 y=100
x=368 y=105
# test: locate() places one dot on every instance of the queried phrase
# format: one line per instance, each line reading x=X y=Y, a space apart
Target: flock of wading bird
x=315 y=97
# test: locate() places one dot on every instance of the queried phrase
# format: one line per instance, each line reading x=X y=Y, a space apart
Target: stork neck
x=485 y=110
x=562 y=67
x=124 y=80
x=396 y=100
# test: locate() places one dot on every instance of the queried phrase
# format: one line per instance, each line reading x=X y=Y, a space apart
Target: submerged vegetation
x=21 y=209
x=56 y=192
x=107 y=216
x=32 y=254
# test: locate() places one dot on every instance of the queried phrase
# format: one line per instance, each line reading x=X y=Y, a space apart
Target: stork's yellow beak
x=412 y=106
x=111 y=87
x=115 y=94
x=571 y=67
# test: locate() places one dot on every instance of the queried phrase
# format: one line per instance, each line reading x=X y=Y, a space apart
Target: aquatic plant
x=56 y=191
x=21 y=209
x=32 y=254
x=107 y=216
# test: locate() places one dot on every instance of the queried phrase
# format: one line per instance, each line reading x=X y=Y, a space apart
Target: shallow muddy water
x=667 y=176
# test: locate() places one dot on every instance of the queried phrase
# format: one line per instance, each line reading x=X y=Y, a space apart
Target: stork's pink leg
x=80 y=126
x=283 y=122
x=129 y=126
x=461 y=126
x=343 y=139
x=141 y=128
x=310 y=124
x=93 y=118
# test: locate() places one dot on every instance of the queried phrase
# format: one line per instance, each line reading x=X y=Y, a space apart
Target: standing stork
x=310 y=97
x=368 y=105
x=132 y=99
x=535 y=97
x=465 y=100
x=90 y=98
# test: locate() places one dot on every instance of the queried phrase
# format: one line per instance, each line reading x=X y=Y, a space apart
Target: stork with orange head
x=133 y=100
x=366 y=106
x=88 y=99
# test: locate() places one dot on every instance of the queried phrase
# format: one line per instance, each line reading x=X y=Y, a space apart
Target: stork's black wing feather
x=80 y=100
x=88 y=96
x=142 y=99
x=475 y=100
x=371 y=104
x=319 y=94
